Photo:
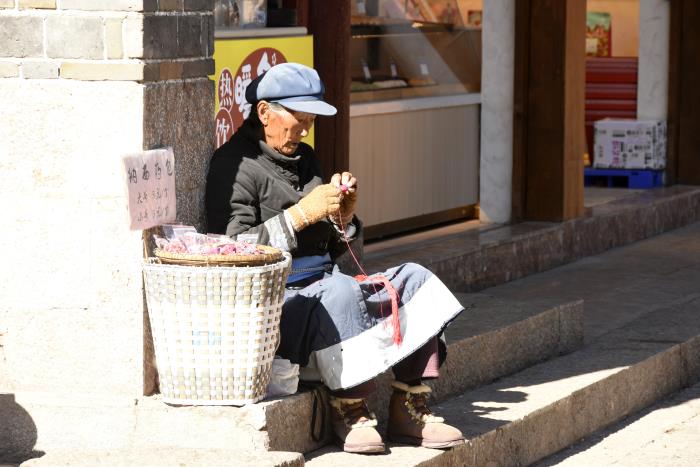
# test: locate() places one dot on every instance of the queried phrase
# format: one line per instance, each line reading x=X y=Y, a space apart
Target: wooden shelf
x=246 y=33
x=416 y=103
x=410 y=92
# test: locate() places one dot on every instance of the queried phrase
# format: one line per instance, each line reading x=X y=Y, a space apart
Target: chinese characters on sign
x=150 y=180
x=233 y=106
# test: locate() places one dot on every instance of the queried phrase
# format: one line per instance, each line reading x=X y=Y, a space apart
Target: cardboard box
x=630 y=144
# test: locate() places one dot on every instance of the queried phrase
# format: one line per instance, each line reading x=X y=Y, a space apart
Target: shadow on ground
x=18 y=433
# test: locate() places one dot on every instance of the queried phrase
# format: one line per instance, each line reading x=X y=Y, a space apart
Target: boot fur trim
x=336 y=403
x=420 y=389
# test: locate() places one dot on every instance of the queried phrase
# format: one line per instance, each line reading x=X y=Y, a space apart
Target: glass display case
x=415 y=74
x=393 y=58
x=240 y=13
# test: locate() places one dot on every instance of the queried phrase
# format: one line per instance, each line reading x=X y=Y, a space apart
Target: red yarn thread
x=393 y=296
x=377 y=278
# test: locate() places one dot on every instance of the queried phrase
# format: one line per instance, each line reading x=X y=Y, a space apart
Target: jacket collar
x=277 y=157
x=285 y=166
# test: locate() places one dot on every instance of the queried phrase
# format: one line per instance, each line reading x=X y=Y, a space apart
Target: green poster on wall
x=598 y=34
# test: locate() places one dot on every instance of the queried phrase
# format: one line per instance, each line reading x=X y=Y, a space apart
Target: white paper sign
x=365 y=70
x=150 y=181
x=394 y=72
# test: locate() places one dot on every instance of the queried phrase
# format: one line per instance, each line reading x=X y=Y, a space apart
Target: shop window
x=251 y=14
x=415 y=69
x=402 y=49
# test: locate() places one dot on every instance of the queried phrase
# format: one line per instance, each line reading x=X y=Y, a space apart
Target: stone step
x=667 y=433
x=525 y=417
x=175 y=457
x=476 y=258
x=492 y=338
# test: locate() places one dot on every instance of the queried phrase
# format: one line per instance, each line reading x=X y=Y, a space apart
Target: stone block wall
x=82 y=83
x=124 y=40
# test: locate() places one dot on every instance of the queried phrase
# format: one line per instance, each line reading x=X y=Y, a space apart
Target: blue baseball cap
x=292 y=85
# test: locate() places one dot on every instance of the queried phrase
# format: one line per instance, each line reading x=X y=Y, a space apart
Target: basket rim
x=270 y=255
x=153 y=263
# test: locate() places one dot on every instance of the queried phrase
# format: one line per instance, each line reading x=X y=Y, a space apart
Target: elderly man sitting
x=265 y=185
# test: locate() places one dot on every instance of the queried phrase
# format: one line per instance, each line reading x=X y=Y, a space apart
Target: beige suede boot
x=355 y=426
x=412 y=422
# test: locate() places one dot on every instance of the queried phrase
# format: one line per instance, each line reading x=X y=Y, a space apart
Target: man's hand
x=347 y=184
x=323 y=201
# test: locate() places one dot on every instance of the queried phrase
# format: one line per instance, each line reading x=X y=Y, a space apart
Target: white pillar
x=654 y=29
x=496 y=168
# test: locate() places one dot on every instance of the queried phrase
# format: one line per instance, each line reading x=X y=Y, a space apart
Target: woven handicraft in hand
x=347 y=208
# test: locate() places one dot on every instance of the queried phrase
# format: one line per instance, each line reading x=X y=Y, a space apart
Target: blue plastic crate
x=623 y=178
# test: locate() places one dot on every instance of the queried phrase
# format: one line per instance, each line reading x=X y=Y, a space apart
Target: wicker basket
x=215 y=329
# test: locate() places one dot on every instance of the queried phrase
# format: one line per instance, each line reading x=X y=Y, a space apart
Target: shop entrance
x=611 y=92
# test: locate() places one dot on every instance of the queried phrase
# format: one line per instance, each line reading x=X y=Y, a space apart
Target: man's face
x=285 y=128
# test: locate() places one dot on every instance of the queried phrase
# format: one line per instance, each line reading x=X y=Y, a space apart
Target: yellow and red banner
x=238 y=62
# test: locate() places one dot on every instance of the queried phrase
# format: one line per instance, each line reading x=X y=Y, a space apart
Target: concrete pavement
x=621 y=284
x=666 y=434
